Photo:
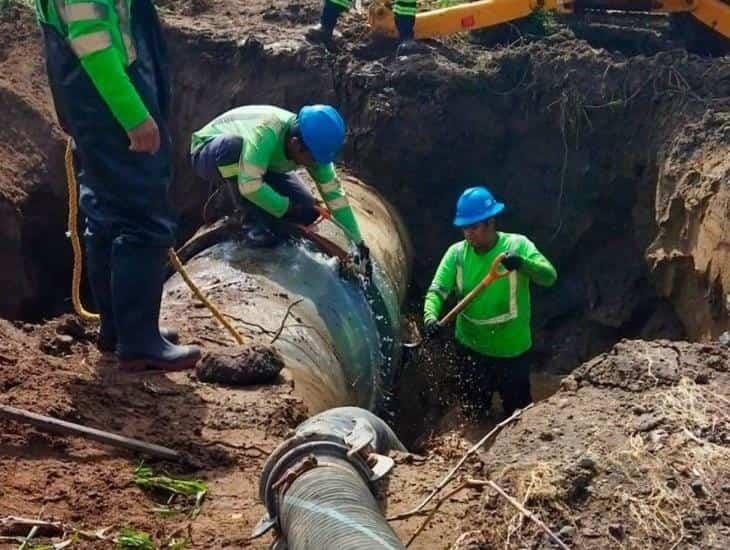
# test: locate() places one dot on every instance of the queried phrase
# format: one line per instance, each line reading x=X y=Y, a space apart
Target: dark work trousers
x=226 y=150
x=123 y=195
x=479 y=376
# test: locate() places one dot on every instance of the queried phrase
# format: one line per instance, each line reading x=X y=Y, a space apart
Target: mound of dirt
x=690 y=255
x=634 y=451
x=243 y=366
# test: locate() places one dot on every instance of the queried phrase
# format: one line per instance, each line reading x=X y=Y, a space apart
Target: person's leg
x=291 y=186
x=218 y=162
x=331 y=11
x=126 y=194
x=405 y=21
x=514 y=382
x=98 y=248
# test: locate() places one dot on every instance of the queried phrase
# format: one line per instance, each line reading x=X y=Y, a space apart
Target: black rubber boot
x=107 y=343
x=407 y=44
x=137 y=277
x=324 y=31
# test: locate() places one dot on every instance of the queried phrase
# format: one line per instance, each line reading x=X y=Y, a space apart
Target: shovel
x=494 y=273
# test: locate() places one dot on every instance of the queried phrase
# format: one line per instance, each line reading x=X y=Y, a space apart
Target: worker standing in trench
x=493 y=335
x=256 y=148
x=108 y=72
x=404 y=12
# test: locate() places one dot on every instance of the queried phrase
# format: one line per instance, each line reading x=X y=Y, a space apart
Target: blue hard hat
x=323 y=132
x=475 y=205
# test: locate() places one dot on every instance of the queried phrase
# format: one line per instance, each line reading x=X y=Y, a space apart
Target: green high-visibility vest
x=497 y=322
x=99 y=32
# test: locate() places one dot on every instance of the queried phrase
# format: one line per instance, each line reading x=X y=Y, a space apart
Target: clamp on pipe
x=311 y=449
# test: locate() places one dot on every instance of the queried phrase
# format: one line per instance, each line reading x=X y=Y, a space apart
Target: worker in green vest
x=108 y=72
x=256 y=149
x=493 y=335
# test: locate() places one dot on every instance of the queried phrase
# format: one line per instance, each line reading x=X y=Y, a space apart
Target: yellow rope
x=73 y=214
x=73 y=231
x=177 y=264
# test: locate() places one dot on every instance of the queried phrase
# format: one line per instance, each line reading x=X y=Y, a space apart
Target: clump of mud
x=240 y=366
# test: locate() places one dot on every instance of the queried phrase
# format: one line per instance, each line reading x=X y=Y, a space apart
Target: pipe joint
x=307 y=451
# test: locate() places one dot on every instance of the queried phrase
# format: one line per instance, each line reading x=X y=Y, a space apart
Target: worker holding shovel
x=490 y=272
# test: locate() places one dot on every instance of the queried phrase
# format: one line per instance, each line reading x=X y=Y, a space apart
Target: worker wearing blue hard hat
x=256 y=148
x=493 y=335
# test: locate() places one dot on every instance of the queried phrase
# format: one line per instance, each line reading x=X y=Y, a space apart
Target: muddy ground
x=612 y=157
x=632 y=452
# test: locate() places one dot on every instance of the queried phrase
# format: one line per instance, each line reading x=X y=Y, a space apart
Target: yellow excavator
x=714 y=14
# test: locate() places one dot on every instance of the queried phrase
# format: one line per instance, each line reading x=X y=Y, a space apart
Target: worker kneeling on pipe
x=493 y=335
x=256 y=148
x=107 y=68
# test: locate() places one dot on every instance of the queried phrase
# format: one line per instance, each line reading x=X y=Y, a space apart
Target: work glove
x=431 y=328
x=512 y=261
x=301 y=214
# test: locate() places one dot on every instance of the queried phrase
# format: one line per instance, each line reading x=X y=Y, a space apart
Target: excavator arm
x=715 y=14
x=458 y=18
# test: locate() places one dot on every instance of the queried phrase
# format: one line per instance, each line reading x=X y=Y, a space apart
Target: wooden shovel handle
x=494 y=273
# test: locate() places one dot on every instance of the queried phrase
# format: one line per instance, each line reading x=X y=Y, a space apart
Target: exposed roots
x=672 y=475
x=538 y=488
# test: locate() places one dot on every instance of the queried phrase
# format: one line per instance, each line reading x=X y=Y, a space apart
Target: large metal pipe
x=318 y=485
x=341 y=344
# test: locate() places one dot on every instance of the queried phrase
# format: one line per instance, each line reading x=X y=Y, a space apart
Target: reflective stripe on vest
x=330 y=186
x=90 y=43
x=83 y=11
x=338 y=203
x=228 y=171
x=250 y=186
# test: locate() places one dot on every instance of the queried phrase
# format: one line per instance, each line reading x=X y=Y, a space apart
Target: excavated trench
x=580 y=144
x=612 y=164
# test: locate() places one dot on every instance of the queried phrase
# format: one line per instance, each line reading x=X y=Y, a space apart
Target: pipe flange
x=292 y=459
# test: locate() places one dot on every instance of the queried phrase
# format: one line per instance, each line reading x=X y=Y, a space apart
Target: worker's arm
x=334 y=196
x=442 y=285
x=536 y=266
x=254 y=163
x=89 y=33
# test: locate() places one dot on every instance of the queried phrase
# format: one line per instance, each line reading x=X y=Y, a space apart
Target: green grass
x=193 y=490
x=130 y=539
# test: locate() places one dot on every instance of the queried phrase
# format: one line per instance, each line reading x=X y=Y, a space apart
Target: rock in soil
x=242 y=366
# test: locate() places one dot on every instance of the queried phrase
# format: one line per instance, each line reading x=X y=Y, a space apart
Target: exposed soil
x=634 y=448
x=84 y=485
x=615 y=164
